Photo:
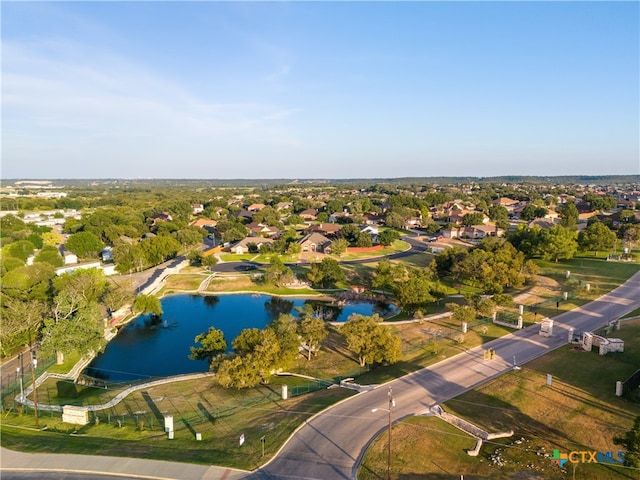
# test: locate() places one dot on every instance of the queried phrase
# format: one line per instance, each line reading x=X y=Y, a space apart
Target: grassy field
x=134 y=428
x=579 y=411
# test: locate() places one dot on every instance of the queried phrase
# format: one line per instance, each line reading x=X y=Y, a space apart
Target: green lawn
x=135 y=427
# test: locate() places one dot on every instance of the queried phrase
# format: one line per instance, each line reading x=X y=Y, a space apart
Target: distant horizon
x=323 y=89
x=321 y=179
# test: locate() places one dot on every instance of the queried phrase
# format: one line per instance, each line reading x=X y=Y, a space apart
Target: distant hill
x=239 y=182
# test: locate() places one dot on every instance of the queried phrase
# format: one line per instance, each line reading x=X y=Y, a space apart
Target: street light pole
x=392 y=403
x=20 y=380
x=35 y=387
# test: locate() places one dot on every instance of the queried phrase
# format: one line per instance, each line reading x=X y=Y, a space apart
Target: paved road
x=331 y=445
x=417 y=246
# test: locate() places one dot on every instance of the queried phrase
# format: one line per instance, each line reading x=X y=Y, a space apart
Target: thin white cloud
x=108 y=95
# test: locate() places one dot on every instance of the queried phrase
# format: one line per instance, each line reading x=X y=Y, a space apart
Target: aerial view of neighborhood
x=300 y=240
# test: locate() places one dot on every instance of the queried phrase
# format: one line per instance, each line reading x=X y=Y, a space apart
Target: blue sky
x=319 y=89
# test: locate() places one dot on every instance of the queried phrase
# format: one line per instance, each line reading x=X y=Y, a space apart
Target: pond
x=148 y=347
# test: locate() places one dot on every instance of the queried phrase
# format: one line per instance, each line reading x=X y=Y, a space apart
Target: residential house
x=481 y=231
x=412 y=222
x=371 y=219
x=206 y=223
x=261 y=230
x=315 y=242
x=372 y=231
x=70 y=258
x=337 y=216
x=310 y=214
x=255 y=207
x=284 y=206
x=161 y=217
x=327 y=229
x=197 y=208
x=243 y=245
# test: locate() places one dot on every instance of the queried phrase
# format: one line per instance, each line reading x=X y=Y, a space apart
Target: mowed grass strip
x=135 y=428
x=579 y=411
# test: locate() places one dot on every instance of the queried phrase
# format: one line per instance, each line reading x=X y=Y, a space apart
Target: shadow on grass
x=152 y=406
x=206 y=414
x=66 y=389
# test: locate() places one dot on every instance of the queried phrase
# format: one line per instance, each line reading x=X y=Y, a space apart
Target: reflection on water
x=159 y=346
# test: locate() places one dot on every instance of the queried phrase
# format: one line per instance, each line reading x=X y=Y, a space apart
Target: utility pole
x=35 y=387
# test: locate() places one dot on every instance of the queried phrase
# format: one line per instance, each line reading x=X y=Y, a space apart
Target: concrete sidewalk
x=131 y=467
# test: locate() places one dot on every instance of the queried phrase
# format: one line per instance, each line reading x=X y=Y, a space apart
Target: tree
x=246 y=341
x=285 y=328
x=416 y=291
x=387 y=237
x=370 y=341
x=631 y=443
x=209 y=261
x=326 y=273
x=189 y=236
x=294 y=219
x=128 y=257
x=557 y=243
x=394 y=220
x=278 y=273
x=20 y=249
x=387 y=274
x=50 y=255
x=498 y=213
x=364 y=240
x=313 y=331
x=20 y=321
x=531 y=211
x=85 y=285
x=462 y=313
x=29 y=282
x=117 y=295
x=148 y=304
x=569 y=215
x=159 y=249
x=51 y=238
x=238 y=372
x=474 y=218
x=339 y=246
x=260 y=351
x=596 y=237
x=213 y=343
x=81 y=333
x=84 y=244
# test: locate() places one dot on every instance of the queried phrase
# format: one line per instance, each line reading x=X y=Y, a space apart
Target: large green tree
x=326 y=273
x=416 y=291
x=596 y=237
x=569 y=215
x=313 y=331
x=82 y=333
x=84 y=244
x=148 y=304
x=371 y=342
x=212 y=343
x=557 y=243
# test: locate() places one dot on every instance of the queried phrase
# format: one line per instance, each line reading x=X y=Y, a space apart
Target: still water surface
x=148 y=347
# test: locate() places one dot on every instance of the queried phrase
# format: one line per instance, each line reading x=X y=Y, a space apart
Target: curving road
x=331 y=444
